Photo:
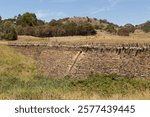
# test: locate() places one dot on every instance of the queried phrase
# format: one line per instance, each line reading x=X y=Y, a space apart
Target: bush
x=130 y=28
x=54 y=28
x=8 y=31
x=126 y=30
x=146 y=27
x=1 y=35
x=27 y=19
x=111 y=29
x=85 y=29
x=43 y=31
x=11 y=35
x=70 y=28
x=123 y=32
x=0 y=19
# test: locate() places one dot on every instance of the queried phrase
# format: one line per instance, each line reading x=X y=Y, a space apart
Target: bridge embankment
x=82 y=60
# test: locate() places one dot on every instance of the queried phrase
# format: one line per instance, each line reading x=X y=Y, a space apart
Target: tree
x=71 y=28
x=27 y=19
x=0 y=19
x=126 y=30
x=1 y=34
x=123 y=32
x=111 y=29
x=40 y=22
x=130 y=28
x=85 y=29
x=9 y=31
x=43 y=31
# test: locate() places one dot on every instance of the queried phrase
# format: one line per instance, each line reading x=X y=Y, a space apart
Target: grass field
x=94 y=87
x=101 y=38
x=20 y=79
x=14 y=64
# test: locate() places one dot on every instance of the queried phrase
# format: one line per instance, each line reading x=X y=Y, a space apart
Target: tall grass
x=14 y=64
x=94 y=87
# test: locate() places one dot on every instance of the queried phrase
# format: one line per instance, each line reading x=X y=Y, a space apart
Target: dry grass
x=15 y=64
x=78 y=95
x=106 y=38
x=82 y=96
x=32 y=39
x=3 y=42
x=101 y=38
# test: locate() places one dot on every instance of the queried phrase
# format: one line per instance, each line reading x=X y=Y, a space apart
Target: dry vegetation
x=101 y=38
x=14 y=64
x=104 y=37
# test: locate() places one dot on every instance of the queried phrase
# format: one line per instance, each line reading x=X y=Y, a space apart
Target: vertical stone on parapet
x=137 y=45
x=74 y=62
x=102 y=49
x=119 y=50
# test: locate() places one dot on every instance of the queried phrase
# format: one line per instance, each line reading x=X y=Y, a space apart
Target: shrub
x=85 y=29
x=9 y=31
x=126 y=30
x=111 y=29
x=43 y=31
x=0 y=19
x=27 y=19
x=130 y=28
x=1 y=35
x=146 y=27
x=70 y=28
x=123 y=32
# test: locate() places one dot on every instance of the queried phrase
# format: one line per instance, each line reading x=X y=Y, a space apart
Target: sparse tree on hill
x=126 y=30
x=111 y=29
x=130 y=28
x=123 y=32
x=0 y=19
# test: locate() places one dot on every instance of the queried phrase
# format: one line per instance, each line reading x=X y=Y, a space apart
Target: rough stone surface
x=81 y=61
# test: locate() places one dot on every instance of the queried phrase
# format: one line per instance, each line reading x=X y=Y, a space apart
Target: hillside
x=29 y=24
x=97 y=23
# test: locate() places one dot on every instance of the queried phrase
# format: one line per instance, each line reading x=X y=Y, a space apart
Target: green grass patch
x=41 y=87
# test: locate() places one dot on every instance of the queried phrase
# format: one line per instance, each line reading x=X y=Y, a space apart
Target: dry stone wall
x=81 y=61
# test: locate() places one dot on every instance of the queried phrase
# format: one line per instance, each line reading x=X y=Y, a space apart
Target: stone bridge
x=80 y=61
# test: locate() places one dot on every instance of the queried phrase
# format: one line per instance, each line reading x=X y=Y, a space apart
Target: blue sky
x=117 y=11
